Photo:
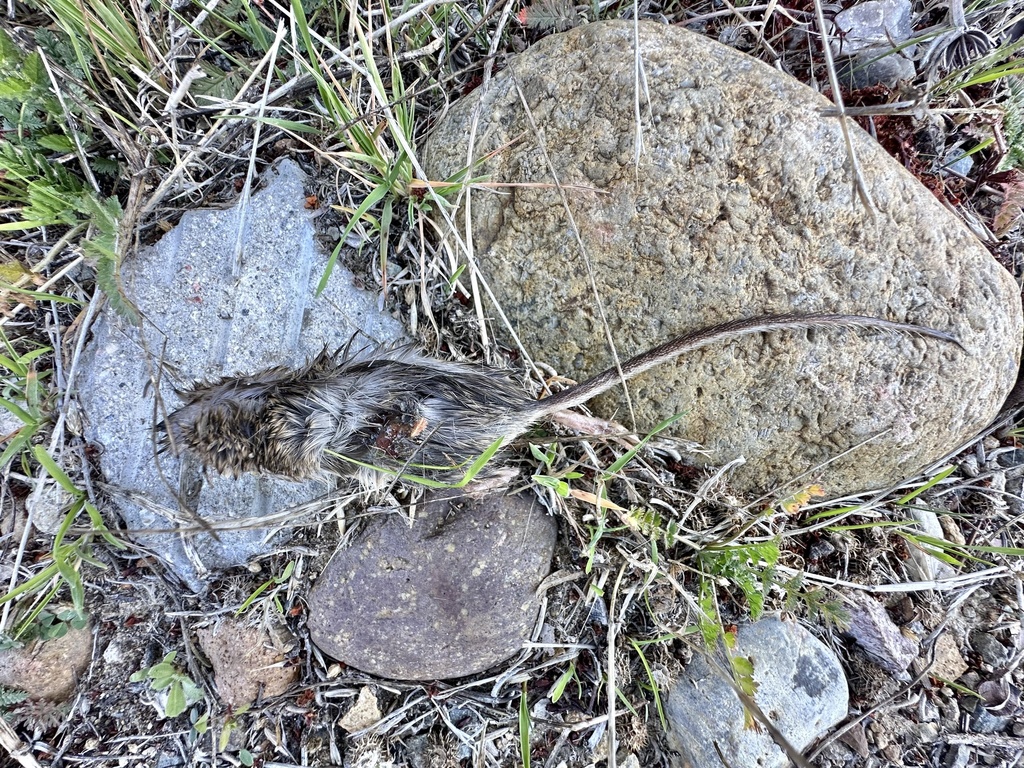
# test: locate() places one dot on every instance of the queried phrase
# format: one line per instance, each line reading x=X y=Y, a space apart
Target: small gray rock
x=879 y=638
x=957 y=756
x=958 y=163
x=991 y=651
x=870 y=26
x=922 y=565
x=867 y=69
x=870 y=34
x=449 y=595
x=741 y=204
x=201 y=323
x=800 y=688
x=983 y=721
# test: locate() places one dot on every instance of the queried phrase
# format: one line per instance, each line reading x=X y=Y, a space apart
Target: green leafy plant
x=22 y=396
x=1013 y=124
x=182 y=692
x=652 y=683
x=67 y=556
x=751 y=567
x=568 y=676
x=9 y=697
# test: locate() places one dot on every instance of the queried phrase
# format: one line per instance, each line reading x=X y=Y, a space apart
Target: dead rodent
x=398 y=411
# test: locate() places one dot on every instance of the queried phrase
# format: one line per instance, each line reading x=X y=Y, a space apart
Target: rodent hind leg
x=592 y=425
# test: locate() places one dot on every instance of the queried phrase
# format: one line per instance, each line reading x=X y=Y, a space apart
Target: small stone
x=875 y=633
x=949 y=663
x=983 y=721
x=364 y=713
x=247 y=661
x=800 y=688
x=1011 y=459
x=894 y=754
x=867 y=69
x=927 y=732
x=48 y=670
x=449 y=595
x=872 y=26
x=958 y=164
x=991 y=651
x=857 y=740
x=819 y=550
x=951 y=529
x=880 y=735
x=957 y=756
x=923 y=565
x=48 y=506
x=1001 y=697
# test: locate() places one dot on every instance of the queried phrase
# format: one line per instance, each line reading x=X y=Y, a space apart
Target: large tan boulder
x=741 y=204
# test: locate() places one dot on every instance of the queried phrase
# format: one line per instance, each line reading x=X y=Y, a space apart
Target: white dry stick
x=837 y=98
x=943 y=585
x=243 y=203
x=79 y=150
x=610 y=692
x=18 y=749
x=179 y=93
x=639 y=84
x=200 y=19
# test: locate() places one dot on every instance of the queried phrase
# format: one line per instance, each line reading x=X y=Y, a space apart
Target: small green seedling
x=278 y=580
x=182 y=692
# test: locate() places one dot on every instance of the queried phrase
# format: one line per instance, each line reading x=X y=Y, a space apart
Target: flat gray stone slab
x=203 y=321
x=800 y=688
x=449 y=595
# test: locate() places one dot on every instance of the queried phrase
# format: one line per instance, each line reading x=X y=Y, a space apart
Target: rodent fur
x=399 y=411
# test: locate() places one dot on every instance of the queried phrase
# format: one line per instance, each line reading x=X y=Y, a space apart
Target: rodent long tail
x=689 y=342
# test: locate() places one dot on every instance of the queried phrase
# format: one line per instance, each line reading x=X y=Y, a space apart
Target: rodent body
x=395 y=410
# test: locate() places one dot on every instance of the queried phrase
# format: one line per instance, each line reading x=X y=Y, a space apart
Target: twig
x=243 y=203
x=59 y=93
x=610 y=687
x=17 y=748
x=579 y=241
x=837 y=97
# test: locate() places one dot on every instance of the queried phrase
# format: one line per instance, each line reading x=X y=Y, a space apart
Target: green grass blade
x=371 y=199
x=54 y=470
x=524 y=728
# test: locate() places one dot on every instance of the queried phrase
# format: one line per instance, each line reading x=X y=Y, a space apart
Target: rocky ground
x=915 y=594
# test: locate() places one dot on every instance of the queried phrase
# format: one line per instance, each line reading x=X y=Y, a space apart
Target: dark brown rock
x=449 y=595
